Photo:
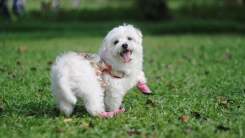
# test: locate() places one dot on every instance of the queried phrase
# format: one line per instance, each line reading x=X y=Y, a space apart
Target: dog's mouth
x=126 y=55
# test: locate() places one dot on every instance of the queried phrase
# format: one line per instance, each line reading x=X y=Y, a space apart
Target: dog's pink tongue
x=126 y=57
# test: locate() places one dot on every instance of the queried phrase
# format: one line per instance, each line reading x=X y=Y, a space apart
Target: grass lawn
x=198 y=82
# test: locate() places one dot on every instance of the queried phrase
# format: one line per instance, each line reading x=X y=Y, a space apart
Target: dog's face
x=123 y=45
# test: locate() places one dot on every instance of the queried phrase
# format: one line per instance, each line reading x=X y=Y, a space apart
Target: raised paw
x=143 y=88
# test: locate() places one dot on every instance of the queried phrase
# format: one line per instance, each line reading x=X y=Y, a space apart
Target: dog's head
x=122 y=46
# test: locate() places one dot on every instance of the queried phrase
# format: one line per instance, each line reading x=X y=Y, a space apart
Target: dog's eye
x=115 y=42
x=130 y=38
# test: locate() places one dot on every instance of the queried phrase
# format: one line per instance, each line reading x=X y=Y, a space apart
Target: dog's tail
x=61 y=90
x=66 y=92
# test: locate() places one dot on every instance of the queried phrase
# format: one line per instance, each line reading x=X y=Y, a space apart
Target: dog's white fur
x=73 y=76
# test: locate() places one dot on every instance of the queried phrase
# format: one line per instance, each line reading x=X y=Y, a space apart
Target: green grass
x=201 y=76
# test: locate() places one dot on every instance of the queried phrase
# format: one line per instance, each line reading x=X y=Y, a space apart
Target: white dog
x=101 y=80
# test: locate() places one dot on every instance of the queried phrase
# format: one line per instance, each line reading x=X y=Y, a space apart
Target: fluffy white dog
x=101 y=80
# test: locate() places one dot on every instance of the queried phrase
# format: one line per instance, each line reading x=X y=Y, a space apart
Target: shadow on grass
x=38 y=110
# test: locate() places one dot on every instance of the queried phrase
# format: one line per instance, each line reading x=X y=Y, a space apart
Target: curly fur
x=73 y=76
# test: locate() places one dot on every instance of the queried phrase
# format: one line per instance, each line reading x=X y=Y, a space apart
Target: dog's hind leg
x=65 y=107
x=67 y=93
x=65 y=98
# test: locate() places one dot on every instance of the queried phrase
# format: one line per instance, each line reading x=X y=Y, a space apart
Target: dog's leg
x=141 y=84
x=64 y=97
x=113 y=100
x=94 y=101
x=66 y=100
x=66 y=107
x=67 y=93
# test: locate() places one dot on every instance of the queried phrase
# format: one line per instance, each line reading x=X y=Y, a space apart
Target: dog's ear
x=103 y=48
x=138 y=32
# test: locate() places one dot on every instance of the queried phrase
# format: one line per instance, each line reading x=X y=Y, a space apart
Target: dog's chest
x=102 y=69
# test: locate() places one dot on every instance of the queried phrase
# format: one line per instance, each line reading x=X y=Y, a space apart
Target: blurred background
x=154 y=16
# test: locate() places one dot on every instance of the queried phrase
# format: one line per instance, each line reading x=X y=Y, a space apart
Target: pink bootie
x=111 y=114
x=106 y=114
x=143 y=88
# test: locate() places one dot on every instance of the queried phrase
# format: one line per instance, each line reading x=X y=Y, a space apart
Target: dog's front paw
x=143 y=88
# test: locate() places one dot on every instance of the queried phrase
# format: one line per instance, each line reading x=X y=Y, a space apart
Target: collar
x=107 y=68
x=103 y=67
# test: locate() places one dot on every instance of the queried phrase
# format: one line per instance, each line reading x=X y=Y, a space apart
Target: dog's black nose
x=124 y=46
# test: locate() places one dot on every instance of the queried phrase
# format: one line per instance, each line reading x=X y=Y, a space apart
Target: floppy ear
x=139 y=34
x=103 y=49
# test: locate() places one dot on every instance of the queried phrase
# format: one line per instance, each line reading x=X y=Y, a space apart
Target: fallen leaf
x=184 y=118
x=66 y=120
x=85 y=125
x=223 y=101
x=22 y=49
